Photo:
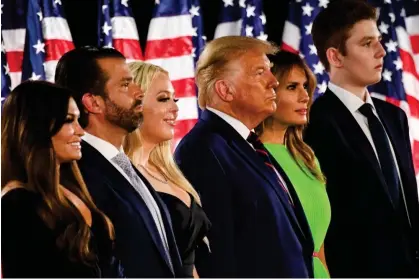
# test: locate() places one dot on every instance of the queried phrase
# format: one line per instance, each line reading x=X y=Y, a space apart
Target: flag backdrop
x=399 y=25
x=35 y=35
x=117 y=28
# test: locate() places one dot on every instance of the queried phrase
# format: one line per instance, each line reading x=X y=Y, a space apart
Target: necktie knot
x=253 y=139
x=367 y=110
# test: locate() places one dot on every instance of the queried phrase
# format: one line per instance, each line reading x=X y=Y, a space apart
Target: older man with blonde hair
x=259 y=228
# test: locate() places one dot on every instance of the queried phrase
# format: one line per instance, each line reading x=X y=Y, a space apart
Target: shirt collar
x=236 y=124
x=350 y=100
x=107 y=149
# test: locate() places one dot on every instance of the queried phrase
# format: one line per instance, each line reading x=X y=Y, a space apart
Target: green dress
x=313 y=197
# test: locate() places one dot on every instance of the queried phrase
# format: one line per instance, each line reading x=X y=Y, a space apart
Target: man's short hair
x=79 y=70
x=332 y=25
x=212 y=63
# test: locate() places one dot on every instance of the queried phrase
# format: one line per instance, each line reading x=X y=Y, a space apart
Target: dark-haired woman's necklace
x=153 y=176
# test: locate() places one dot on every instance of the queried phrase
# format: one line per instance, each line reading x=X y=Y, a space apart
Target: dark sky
x=82 y=18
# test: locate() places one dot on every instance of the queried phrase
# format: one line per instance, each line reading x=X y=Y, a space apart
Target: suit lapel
x=242 y=147
x=124 y=188
x=352 y=132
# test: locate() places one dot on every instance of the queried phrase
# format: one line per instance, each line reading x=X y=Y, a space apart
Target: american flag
x=399 y=25
x=242 y=18
x=35 y=35
x=174 y=42
x=117 y=28
x=5 y=77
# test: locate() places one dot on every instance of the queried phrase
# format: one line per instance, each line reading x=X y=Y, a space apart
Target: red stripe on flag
x=184 y=87
x=413 y=106
x=408 y=63
x=286 y=47
x=131 y=49
x=183 y=127
x=14 y=60
x=415 y=152
x=393 y=101
x=54 y=49
x=414 y=40
x=168 y=48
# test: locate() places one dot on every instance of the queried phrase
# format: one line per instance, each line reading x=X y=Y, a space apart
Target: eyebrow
x=126 y=79
x=371 y=38
x=73 y=114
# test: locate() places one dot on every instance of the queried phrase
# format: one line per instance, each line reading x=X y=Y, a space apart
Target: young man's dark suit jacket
x=138 y=243
x=368 y=236
x=255 y=232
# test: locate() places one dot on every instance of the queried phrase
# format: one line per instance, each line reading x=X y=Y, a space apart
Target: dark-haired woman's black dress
x=28 y=246
x=190 y=226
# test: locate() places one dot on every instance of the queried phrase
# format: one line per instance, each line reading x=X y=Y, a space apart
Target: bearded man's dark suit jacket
x=369 y=236
x=138 y=243
x=255 y=231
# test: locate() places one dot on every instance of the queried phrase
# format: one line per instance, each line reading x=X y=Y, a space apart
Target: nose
x=380 y=51
x=273 y=82
x=304 y=97
x=79 y=130
x=138 y=93
x=174 y=107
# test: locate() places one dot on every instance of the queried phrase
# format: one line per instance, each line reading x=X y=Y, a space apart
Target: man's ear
x=334 y=57
x=224 y=90
x=92 y=103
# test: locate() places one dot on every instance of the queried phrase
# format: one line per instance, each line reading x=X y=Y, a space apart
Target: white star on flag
x=308 y=28
x=318 y=68
x=249 y=31
x=392 y=17
x=391 y=46
x=40 y=16
x=104 y=7
x=40 y=47
x=387 y=1
x=313 y=49
x=307 y=9
x=194 y=11
x=193 y=52
x=323 y=3
x=106 y=28
x=157 y=2
x=384 y=27
x=6 y=69
x=398 y=63
x=35 y=76
x=57 y=2
x=387 y=75
x=250 y=10
x=194 y=31
x=262 y=36
x=322 y=87
x=263 y=18
x=125 y=3
x=242 y=3
x=228 y=3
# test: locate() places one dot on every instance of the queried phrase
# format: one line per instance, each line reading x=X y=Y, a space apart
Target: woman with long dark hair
x=50 y=225
x=282 y=136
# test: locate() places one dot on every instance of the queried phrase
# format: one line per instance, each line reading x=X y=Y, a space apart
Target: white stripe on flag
x=14 y=39
x=178 y=67
x=50 y=69
x=231 y=28
x=291 y=35
x=170 y=27
x=15 y=79
x=56 y=28
x=412 y=25
x=188 y=108
x=124 y=27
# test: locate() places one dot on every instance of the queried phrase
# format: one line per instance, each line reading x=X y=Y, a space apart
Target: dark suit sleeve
x=205 y=172
x=26 y=241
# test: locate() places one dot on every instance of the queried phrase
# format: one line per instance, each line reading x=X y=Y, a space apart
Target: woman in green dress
x=281 y=134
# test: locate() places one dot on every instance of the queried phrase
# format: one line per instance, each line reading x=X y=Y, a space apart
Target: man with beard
x=110 y=108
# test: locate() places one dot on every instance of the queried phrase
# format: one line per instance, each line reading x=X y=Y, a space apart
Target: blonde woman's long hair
x=161 y=156
x=283 y=63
